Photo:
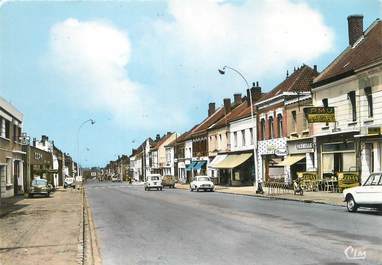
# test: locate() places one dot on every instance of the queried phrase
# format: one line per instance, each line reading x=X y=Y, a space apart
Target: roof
x=232 y=115
x=300 y=80
x=207 y=122
x=366 y=50
x=159 y=142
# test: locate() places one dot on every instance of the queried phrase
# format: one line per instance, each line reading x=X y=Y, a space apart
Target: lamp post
x=254 y=127
x=92 y=122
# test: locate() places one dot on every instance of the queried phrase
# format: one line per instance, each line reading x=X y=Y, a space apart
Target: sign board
x=304 y=145
x=281 y=152
x=373 y=131
x=320 y=114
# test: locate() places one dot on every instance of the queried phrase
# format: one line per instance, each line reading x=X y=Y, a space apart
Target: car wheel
x=191 y=189
x=197 y=189
x=48 y=194
x=351 y=204
x=160 y=189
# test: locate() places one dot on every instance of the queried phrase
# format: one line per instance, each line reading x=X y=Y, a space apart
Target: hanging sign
x=320 y=114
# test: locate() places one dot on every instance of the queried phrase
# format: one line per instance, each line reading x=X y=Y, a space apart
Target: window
x=271 y=130
x=369 y=98
x=280 y=125
x=15 y=133
x=243 y=137
x=235 y=139
x=251 y=134
x=305 y=121
x=262 y=129
x=7 y=129
x=325 y=102
x=351 y=98
x=294 y=121
x=2 y=129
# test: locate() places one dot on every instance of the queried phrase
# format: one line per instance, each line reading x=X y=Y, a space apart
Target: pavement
x=41 y=230
x=308 y=197
x=176 y=226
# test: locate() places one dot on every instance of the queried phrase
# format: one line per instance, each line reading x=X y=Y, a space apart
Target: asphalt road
x=181 y=227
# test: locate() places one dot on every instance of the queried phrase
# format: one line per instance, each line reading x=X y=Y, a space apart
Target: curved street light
x=92 y=122
x=222 y=71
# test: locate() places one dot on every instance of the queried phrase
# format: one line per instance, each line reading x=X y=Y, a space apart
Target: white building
x=352 y=84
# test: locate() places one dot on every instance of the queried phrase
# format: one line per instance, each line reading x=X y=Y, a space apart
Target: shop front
x=300 y=158
x=41 y=165
x=371 y=151
x=270 y=154
x=338 y=159
x=236 y=169
x=213 y=172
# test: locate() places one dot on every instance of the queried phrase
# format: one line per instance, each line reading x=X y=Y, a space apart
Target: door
x=16 y=173
x=338 y=162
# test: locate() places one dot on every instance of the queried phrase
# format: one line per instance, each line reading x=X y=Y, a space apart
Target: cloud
x=255 y=36
x=93 y=58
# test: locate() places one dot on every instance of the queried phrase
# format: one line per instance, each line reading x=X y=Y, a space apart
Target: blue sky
x=142 y=68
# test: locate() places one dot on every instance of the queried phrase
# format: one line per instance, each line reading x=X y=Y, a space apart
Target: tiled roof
x=299 y=80
x=207 y=122
x=159 y=142
x=367 y=50
x=231 y=115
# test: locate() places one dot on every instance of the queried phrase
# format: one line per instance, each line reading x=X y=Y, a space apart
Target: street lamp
x=92 y=122
x=254 y=128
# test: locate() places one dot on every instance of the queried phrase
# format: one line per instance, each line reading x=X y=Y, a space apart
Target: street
x=182 y=227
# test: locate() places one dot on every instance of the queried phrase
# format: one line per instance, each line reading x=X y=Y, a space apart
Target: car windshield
x=154 y=178
x=203 y=179
x=39 y=182
x=374 y=179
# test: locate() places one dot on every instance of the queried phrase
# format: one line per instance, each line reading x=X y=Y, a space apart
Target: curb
x=92 y=253
x=273 y=197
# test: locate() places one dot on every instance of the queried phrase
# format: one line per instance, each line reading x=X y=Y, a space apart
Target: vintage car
x=202 y=183
x=368 y=195
x=39 y=187
x=116 y=178
x=168 y=181
x=69 y=182
x=154 y=181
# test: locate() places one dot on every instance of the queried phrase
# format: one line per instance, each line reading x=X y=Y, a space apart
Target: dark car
x=168 y=181
x=39 y=187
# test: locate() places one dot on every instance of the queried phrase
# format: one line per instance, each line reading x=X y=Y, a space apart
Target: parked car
x=368 y=195
x=39 y=187
x=116 y=178
x=168 y=181
x=69 y=183
x=202 y=183
x=154 y=181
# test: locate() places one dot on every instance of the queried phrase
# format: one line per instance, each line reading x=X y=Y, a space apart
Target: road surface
x=182 y=227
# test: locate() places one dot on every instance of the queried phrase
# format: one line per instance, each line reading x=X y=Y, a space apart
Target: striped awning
x=291 y=160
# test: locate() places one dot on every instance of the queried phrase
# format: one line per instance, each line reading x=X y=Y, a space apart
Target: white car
x=154 y=181
x=368 y=195
x=69 y=182
x=202 y=183
x=116 y=178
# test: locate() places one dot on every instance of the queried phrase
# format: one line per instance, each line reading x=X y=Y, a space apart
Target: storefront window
x=342 y=146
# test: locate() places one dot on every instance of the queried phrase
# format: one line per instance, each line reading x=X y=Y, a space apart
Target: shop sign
x=306 y=145
x=373 y=131
x=320 y=114
x=281 y=152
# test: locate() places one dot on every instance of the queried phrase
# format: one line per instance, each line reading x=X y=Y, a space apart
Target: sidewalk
x=309 y=197
x=41 y=230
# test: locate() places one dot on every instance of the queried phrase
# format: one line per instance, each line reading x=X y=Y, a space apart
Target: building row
x=282 y=139
x=22 y=159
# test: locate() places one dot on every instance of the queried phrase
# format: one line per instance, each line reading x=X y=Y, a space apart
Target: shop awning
x=291 y=159
x=189 y=167
x=217 y=160
x=199 y=165
x=232 y=161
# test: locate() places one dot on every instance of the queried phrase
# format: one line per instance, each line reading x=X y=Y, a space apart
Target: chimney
x=44 y=138
x=355 y=28
x=256 y=91
x=211 y=108
x=157 y=137
x=227 y=105
x=315 y=68
x=34 y=142
x=237 y=98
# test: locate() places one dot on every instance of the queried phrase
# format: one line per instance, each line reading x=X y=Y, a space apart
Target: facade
x=12 y=157
x=300 y=140
x=352 y=84
x=272 y=120
x=41 y=165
